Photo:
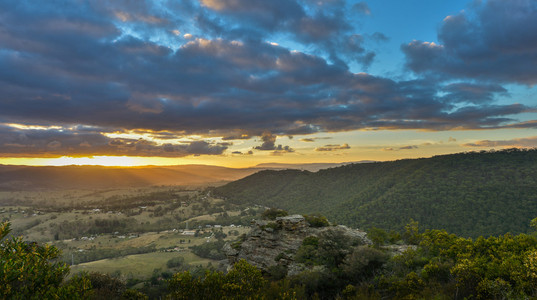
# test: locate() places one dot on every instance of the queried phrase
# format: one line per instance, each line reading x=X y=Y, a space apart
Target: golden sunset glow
x=123 y=161
x=358 y=145
x=110 y=161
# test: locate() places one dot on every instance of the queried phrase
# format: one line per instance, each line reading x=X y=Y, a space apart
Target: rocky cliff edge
x=275 y=243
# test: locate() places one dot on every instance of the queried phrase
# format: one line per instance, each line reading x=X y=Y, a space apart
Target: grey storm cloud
x=492 y=40
x=81 y=65
x=58 y=142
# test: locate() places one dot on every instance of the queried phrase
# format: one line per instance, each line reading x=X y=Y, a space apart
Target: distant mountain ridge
x=68 y=177
x=13 y=177
x=470 y=194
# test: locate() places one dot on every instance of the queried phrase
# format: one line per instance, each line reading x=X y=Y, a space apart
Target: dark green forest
x=469 y=194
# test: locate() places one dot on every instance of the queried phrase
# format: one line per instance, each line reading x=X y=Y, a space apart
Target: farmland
x=129 y=232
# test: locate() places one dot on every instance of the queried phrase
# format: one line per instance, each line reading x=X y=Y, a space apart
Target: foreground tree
x=32 y=271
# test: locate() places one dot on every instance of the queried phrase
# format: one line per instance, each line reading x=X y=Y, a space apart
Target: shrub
x=273 y=213
x=106 y=286
x=363 y=262
x=244 y=281
x=317 y=220
x=175 y=262
x=272 y=225
x=378 y=236
x=212 y=250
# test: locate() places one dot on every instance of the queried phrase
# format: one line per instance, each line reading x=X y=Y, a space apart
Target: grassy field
x=140 y=265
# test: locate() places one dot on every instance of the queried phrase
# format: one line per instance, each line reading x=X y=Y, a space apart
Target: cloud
x=472 y=93
x=379 y=37
x=492 y=40
x=269 y=141
x=309 y=140
x=528 y=142
x=249 y=152
x=362 y=7
x=200 y=147
x=218 y=85
x=59 y=142
x=325 y=24
x=333 y=147
x=236 y=136
x=280 y=150
x=100 y=68
x=409 y=147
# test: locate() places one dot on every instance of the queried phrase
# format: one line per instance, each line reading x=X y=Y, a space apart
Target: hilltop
x=469 y=194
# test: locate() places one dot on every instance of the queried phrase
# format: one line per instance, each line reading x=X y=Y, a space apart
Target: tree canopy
x=32 y=271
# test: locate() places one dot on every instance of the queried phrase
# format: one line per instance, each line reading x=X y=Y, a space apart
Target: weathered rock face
x=272 y=243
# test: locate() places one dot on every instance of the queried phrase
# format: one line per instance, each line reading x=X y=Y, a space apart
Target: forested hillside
x=470 y=194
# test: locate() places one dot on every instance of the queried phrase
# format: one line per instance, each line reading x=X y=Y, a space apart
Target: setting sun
x=123 y=161
x=107 y=161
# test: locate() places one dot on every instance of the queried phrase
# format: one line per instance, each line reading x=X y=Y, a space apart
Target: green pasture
x=139 y=265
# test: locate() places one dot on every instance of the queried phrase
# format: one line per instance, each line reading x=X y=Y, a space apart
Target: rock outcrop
x=275 y=243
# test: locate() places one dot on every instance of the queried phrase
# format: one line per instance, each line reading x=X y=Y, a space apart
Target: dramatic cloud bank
x=228 y=69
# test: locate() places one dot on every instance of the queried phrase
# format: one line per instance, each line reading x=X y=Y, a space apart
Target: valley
x=133 y=233
x=385 y=235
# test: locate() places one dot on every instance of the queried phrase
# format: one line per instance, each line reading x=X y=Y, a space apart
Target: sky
x=241 y=82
